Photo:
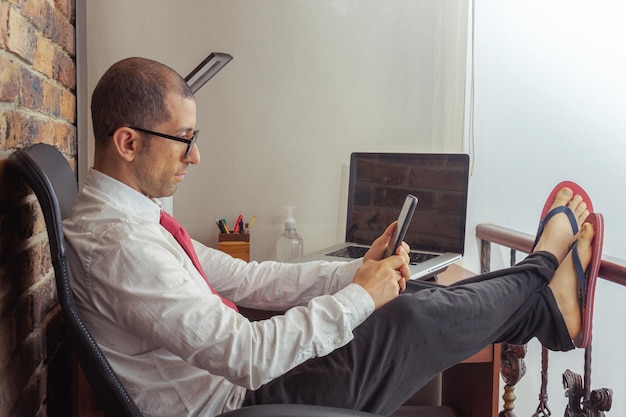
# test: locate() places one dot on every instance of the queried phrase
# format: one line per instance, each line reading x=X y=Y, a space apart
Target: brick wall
x=37 y=104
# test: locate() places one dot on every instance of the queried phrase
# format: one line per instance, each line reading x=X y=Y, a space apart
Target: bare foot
x=557 y=234
x=565 y=286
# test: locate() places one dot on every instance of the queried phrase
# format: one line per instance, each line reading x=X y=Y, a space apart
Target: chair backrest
x=50 y=176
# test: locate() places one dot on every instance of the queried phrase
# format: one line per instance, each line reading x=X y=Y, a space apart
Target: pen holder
x=236 y=245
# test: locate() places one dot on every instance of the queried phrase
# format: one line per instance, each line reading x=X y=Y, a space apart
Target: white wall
x=311 y=82
x=549 y=104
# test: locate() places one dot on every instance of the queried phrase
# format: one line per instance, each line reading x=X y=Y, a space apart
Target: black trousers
x=424 y=331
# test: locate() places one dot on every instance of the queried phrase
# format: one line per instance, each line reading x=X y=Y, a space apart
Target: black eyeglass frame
x=189 y=142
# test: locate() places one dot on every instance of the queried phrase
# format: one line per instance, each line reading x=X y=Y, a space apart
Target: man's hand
x=384 y=280
x=378 y=248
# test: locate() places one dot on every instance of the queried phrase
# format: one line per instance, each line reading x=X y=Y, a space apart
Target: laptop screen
x=379 y=183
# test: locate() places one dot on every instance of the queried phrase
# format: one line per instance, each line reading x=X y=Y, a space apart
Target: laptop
x=378 y=185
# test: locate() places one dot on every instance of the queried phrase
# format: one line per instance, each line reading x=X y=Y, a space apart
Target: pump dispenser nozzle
x=290 y=222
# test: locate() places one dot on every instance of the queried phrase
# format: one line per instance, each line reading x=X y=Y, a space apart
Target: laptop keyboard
x=354 y=252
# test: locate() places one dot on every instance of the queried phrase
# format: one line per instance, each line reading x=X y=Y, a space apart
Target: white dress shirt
x=176 y=347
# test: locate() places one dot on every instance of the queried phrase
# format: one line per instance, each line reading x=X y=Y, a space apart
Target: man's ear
x=126 y=143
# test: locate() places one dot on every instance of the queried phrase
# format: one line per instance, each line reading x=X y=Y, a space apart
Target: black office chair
x=48 y=173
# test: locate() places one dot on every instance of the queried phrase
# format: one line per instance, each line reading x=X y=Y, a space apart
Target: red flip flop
x=577 y=189
x=588 y=279
x=546 y=213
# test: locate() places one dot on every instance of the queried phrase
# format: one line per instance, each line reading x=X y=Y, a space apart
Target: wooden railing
x=611 y=269
x=582 y=401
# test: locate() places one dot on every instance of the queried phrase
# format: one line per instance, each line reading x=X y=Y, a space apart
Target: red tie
x=182 y=237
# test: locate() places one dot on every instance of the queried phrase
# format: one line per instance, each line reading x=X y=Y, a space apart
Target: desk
x=472 y=386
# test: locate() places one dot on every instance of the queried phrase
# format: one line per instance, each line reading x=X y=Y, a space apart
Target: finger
x=402 y=284
x=406 y=247
x=377 y=250
x=400 y=265
x=405 y=271
x=389 y=230
x=402 y=251
x=395 y=261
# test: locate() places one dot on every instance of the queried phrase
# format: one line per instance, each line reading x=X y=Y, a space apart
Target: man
x=354 y=335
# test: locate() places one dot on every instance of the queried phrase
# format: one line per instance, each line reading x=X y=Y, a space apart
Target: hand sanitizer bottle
x=290 y=244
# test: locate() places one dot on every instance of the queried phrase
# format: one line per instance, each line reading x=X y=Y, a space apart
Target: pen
x=252 y=220
x=237 y=226
x=225 y=227
x=220 y=225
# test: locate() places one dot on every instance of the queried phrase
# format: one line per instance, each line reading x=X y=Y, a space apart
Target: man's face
x=160 y=164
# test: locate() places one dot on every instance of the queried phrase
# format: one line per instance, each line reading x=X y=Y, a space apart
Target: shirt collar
x=123 y=197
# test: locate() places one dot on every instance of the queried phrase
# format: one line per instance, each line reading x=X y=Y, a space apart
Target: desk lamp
x=207 y=69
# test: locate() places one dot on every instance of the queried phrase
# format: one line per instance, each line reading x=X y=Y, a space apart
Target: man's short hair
x=132 y=92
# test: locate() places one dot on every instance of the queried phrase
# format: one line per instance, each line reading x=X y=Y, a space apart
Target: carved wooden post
x=600 y=400
x=485 y=256
x=581 y=402
x=513 y=369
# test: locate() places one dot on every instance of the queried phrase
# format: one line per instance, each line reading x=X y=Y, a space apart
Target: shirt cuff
x=347 y=270
x=357 y=301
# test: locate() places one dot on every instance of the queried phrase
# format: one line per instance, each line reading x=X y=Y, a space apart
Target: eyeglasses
x=189 y=142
